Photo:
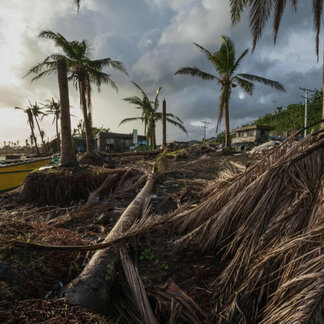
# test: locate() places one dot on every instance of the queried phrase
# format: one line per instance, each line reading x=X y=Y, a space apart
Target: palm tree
x=82 y=70
x=225 y=64
x=54 y=108
x=150 y=115
x=37 y=112
x=30 y=120
x=260 y=11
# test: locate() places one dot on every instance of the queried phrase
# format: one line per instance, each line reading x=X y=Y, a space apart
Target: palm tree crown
x=82 y=70
x=225 y=63
x=150 y=115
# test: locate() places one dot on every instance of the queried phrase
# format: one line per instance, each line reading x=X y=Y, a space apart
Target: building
x=116 y=142
x=248 y=136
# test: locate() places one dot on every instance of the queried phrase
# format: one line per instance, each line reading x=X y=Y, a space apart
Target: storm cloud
x=153 y=38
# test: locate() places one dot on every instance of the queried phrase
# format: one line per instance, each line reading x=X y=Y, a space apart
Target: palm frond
x=247 y=86
x=108 y=62
x=204 y=50
x=279 y=10
x=317 y=14
x=177 y=124
x=126 y=120
x=135 y=101
x=156 y=101
x=238 y=61
x=100 y=77
x=140 y=89
x=60 y=41
x=175 y=117
x=254 y=78
x=194 y=71
x=227 y=54
x=259 y=14
x=237 y=6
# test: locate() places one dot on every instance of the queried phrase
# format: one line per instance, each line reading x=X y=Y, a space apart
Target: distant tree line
x=290 y=119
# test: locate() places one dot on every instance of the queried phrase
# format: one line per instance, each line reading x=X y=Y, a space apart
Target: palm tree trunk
x=68 y=157
x=322 y=126
x=227 y=126
x=154 y=136
x=87 y=122
x=93 y=287
x=34 y=138
x=40 y=133
x=57 y=134
x=164 y=124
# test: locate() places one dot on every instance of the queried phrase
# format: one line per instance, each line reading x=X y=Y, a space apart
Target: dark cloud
x=154 y=38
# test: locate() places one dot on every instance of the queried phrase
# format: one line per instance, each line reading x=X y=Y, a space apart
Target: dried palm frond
x=137 y=288
x=267 y=225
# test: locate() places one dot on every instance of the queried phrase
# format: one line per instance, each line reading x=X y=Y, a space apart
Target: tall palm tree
x=30 y=120
x=225 y=64
x=260 y=11
x=54 y=108
x=82 y=70
x=150 y=115
x=38 y=113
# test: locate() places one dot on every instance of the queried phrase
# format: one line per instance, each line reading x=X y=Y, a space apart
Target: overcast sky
x=153 y=38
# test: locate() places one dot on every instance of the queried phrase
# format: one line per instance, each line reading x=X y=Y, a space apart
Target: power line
x=306 y=91
x=205 y=127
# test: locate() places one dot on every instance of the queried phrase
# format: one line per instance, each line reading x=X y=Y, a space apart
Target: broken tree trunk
x=92 y=288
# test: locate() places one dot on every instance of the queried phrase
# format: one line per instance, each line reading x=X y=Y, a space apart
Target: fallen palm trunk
x=92 y=288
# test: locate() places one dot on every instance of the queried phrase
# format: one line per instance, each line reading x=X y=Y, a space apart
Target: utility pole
x=164 y=142
x=205 y=127
x=306 y=91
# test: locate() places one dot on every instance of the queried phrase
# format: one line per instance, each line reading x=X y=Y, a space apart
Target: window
x=240 y=134
x=250 y=132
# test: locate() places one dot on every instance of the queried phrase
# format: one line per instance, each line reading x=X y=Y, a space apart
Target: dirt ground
x=30 y=280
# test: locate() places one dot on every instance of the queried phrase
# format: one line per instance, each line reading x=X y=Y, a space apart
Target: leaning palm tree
x=150 y=115
x=30 y=121
x=260 y=12
x=54 y=108
x=38 y=113
x=225 y=64
x=82 y=70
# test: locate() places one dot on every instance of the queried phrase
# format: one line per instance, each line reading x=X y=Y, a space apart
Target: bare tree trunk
x=68 y=157
x=87 y=120
x=40 y=133
x=164 y=142
x=34 y=139
x=227 y=126
x=322 y=125
x=92 y=288
x=154 y=136
x=57 y=134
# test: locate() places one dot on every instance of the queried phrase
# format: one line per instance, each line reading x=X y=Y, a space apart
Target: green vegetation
x=146 y=254
x=285 y=121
